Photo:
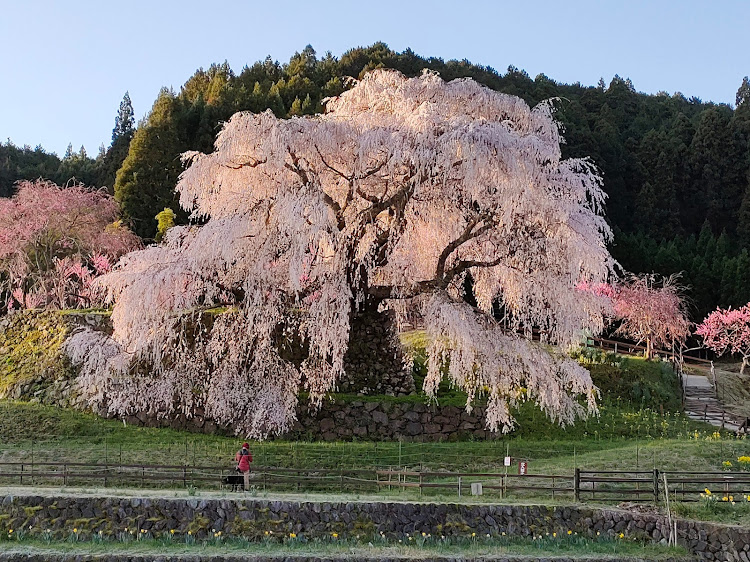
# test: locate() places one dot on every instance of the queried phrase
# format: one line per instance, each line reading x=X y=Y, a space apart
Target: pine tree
x=125 y=120
x=743 y=93
x=115 y=155
x=148 y=175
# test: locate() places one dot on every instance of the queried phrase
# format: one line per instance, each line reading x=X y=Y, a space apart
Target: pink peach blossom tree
x=387 y=201
x=728 y=331
x=54 y=241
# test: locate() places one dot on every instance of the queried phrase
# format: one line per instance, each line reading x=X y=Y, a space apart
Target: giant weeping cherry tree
x=388 y=200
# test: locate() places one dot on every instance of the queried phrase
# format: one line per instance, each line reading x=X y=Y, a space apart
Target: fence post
x=21 y=473
x=656 y=486
x=459 y=486
x=577 y=484
x=184 y=475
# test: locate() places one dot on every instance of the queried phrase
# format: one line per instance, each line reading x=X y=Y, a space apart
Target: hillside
x=676 y=169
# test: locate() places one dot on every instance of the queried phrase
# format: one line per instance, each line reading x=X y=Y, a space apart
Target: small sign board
x=523 y=468
x=476 y=488
x=507 y=461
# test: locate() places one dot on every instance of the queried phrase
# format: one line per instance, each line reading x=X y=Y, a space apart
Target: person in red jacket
x=243 y=459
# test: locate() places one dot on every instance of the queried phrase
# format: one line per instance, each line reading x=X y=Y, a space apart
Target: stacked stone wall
x=252 y=518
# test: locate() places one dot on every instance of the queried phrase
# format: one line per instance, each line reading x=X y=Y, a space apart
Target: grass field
x=406 y=547
x=638 y=428
x=28 y=430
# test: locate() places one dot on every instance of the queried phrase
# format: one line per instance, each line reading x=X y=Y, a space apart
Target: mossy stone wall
x=253 y=518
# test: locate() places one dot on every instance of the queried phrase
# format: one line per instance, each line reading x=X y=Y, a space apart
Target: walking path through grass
x=516 y=551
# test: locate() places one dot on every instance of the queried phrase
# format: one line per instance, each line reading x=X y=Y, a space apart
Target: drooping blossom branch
x=401 y=189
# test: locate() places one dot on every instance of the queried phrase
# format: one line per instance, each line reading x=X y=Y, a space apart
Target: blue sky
x=65 y=66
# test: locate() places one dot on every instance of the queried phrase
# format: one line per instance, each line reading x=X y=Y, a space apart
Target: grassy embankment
x=638 y=427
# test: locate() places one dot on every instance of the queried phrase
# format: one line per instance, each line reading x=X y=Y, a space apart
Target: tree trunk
x=649 y=349
x=374 y=361
x=745 y=360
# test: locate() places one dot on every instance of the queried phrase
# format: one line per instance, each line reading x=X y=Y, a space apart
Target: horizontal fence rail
x=633 y=485
x=581 y=485
x=626 y=348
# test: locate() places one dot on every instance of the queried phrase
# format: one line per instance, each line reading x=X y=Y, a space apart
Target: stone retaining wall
x=390 y=421
x=46 y=557
x=359 y=420
x=252 y=518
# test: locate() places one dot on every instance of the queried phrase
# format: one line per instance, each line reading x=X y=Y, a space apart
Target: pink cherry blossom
x=388 y=200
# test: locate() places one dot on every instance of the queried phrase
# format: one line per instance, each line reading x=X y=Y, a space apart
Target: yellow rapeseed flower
x=292 y=535
x=570 y=532
x=622 y=535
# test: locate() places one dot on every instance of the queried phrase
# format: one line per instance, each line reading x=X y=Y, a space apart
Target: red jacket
x=243 y=458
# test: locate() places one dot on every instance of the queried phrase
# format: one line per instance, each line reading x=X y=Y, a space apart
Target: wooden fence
x=648 y=485
x=582 y=485
x=626 y=348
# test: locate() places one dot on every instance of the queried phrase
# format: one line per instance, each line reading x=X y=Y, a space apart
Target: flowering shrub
x=54 y=241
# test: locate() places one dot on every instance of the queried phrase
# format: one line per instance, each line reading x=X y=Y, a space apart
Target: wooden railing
x=647 y=485
x=626 y=348
x=581 y=485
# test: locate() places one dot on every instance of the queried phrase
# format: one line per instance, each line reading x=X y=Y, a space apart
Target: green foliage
x=632 y=380
x=30 y=349
x=165 y=221
x=149 y=173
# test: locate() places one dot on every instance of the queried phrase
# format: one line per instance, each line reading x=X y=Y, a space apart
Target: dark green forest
x=676 y=169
